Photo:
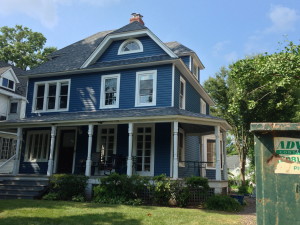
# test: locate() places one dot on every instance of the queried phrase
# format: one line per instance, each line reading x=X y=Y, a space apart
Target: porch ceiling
x=196 y=129
x=141 y=115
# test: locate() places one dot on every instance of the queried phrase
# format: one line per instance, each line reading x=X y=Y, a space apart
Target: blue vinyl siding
x=211 y=174
x=192 y=101
x=176 y=88
x=192 y=153
x=150 y=48
x=186 y=60
x=85 y=89
x=162 y=149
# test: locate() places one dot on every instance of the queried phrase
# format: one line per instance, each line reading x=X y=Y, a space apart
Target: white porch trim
x=175 y=150
x=17 y=156
x=129 y=159
x=89 y=160
x=218 y=158
x=52 y=142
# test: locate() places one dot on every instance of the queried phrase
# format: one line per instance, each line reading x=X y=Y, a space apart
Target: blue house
x=124 y=101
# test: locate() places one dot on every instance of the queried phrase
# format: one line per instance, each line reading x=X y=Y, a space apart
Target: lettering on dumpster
x=289 y=151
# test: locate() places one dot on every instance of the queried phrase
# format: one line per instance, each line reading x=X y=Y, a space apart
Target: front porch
x=148 y=146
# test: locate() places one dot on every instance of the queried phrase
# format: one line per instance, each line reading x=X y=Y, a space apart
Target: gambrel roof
x=75 y=55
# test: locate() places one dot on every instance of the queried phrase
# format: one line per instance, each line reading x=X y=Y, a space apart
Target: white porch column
x=18 y=146
x=175 y=150
x=129 y=159
x=52 y=142
x=218 y=158
x=88 y=165
x=225 y=170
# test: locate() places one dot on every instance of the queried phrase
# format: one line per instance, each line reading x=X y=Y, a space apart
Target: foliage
x=51 y=196
x=161 y=190
x=245 y=189
x=223 y=203
x=78 y=198
x=262 y=88
x=120 y=189
x=180 y=193
x=197 y=182
x=66 y=186
x=22 y=47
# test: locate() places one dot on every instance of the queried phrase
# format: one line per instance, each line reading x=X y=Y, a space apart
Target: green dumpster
x=277 y=162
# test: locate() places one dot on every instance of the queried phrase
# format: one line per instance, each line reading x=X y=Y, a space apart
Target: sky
x=219 y=31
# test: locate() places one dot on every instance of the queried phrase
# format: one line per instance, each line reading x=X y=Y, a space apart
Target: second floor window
x=51 y=96
x=182 y=94
x=146 y=88
x=8 y=83
x=110 y=88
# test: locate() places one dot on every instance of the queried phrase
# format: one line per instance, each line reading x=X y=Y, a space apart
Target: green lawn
x=14 y=212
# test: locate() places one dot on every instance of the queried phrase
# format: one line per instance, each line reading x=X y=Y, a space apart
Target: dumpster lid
x=263 y=127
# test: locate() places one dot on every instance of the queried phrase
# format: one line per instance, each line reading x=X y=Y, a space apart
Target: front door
x=66 y=151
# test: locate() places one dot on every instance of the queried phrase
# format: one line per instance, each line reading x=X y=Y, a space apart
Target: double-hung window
x=181 y=148
x=51 y=96
x=8 y=83
x=37 y=146
x=146 y=88
x=110 y=89
x=182 y=94
x=210 y=146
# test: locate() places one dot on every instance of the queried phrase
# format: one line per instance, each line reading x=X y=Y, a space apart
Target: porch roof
x=119 y=116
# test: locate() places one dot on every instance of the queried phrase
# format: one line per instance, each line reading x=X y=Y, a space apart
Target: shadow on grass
x=101 y=218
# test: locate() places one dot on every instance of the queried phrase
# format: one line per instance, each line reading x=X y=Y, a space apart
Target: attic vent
x=136 y=17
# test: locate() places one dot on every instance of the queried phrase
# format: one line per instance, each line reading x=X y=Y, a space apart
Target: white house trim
x=102 y=93
x=46 y=83
x=120 y=52
x=137 y=88
x=125 y=35
x=182 y=80
x=10 y=75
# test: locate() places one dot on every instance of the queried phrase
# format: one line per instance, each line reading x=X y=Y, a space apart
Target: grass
x=39 y=212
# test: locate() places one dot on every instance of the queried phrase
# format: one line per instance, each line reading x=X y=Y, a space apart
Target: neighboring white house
x=12 y=106
x=233 y=165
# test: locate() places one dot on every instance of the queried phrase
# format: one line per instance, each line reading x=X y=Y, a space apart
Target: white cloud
x=219 y=47
x=44 y=11
x=283 y=19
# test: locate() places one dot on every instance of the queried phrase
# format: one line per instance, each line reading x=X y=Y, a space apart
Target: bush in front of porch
x=159 y=190
x=66 y=187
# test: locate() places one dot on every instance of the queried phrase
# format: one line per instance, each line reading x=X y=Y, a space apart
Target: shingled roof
x=20 y=87
x=73 y=56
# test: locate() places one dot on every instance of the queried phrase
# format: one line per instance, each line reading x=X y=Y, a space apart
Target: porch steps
x=22 y=187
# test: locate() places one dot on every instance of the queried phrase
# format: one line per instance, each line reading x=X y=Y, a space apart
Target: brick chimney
x=136 y=17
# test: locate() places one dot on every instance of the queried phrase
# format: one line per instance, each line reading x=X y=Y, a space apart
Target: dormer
x=8 y=79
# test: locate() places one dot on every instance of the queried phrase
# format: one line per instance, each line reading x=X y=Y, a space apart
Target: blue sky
x=219 y=31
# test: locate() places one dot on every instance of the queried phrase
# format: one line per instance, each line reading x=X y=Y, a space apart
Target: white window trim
x=181 y=131
x=27 y=157
x=184 y=93
x=212 y=137
x=202 y=106
x=102 y=94
x=14 y=101
x=120 y=52
x=137 y=88
x=46 y=83
x=99 y=136
x=151 y=172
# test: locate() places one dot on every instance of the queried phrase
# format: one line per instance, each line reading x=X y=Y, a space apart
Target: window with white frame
x=146 y=88
x=13 y=107
x=211 y=153
x=37 y=146
x=51 y=96
x=130 y=46
x=202 y=106
x=7 y=83
x=182 y=90
x=195 y=70
x=181 y=148
x=106 y=143
x=110 y=88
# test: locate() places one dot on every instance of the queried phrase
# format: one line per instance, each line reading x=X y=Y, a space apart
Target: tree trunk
x=243 y=167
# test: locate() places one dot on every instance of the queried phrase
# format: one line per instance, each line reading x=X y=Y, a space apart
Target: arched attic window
x=130 y=46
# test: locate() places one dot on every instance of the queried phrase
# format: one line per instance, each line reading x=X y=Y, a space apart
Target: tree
x=262 y=88
x=22 y=47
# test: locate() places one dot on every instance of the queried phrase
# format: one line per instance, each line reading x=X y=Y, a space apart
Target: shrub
x=197 y=182
x=51 y=196
x=161 y=190
x=223 y=203
x=180 y=193
x=120 y=189
x=65 y=186
x=245 y=189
